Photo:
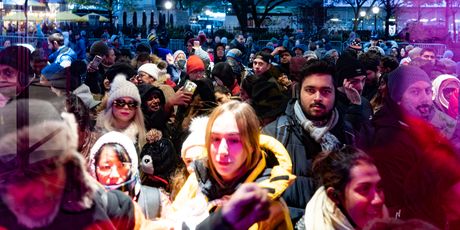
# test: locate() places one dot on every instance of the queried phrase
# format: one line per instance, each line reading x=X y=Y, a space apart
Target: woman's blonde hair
x=107 y=121
x=248 y=126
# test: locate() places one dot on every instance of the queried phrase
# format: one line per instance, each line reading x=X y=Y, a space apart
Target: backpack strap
x=150 y=201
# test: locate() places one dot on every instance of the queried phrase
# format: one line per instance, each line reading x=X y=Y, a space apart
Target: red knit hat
x=194 y=63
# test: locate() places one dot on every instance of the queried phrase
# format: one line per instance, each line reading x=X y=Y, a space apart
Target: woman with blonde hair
x=237 y=154
x=123 y=112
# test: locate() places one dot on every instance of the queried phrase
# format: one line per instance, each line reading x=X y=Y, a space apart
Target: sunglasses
x=119 y=104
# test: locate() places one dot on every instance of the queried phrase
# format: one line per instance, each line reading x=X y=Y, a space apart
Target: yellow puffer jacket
x=195 y=206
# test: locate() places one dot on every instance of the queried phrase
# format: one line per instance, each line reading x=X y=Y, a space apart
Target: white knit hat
x=197 y=134
x=122 y=88
x=150 y=69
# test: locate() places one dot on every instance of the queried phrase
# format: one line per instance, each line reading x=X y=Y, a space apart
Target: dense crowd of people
x=228 y=135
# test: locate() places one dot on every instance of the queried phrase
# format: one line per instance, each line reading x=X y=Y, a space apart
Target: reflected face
x=36 y=202
x=109 y=169
x=417 y=100
x=8 y=80
x=227 y=153
x=124 y=109
x=364 y=197
x=317 y=96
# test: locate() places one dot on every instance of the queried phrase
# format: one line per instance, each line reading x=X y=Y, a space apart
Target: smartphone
x=189 y=86
x=96 y=61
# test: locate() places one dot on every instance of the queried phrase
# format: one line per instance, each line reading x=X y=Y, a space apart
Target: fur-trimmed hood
x=45 y=136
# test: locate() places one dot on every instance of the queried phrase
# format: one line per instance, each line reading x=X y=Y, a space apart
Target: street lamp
x=375 y=10
x=362 y=14
x=168 y=6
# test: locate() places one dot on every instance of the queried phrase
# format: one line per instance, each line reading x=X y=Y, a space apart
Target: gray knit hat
x=402 y=77
x=122 y=88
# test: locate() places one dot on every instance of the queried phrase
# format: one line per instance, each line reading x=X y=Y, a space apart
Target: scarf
x=322 y=213
x=321 y=135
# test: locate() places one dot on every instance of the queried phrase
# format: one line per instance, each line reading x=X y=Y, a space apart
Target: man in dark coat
x=418 y=166
x=311 y=124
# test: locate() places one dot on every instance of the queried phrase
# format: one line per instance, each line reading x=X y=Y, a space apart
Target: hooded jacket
x=201 y=195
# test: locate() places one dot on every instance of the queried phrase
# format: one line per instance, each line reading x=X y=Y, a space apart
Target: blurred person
x=223 y=75
x=38 y=61
x=6 y=43
x=14 y=73
x=350 y=195
x=428 y=54
x=222 y=94
x=44 y=182
x=235 y=157
x=219 y=53
x=411 y=55
x=410 y=152
x=445 y=94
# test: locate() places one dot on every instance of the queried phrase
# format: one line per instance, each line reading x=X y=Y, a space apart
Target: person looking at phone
x=100 y=59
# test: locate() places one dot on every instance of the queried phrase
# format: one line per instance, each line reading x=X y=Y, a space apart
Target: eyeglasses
x=119 y=104
x=107 y=169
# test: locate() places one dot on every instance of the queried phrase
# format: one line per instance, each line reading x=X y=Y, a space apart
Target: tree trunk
x=387 y=25
x=419 y=12
x=356 y=22
x=446 y=23
x=455 y=26
x=111 y=13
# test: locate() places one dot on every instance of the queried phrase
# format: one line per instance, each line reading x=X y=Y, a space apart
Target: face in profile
x=221 y=98
x=317 y=96
x=36 y=201
x=363 y=195
x=192 y=154
x=227 y=154
x=110 y=169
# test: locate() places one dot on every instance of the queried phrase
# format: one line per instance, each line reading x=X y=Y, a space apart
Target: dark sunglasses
x=121 y=104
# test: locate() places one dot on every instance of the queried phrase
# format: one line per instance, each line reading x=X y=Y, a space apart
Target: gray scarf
x=321 y=134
